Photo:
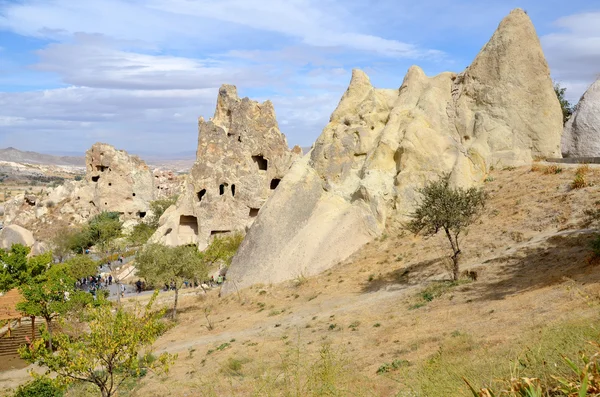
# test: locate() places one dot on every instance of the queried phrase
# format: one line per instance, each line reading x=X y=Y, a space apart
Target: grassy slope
x=535 y=296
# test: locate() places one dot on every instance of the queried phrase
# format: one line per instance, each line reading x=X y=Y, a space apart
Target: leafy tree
x=222 y=249
x=160 y=264
x=81 y=266
x=567 y=108
x=141 y=234
x=452 y=210
x=46 y=295
x=105 y=228
x=158 y=208
x=16 y=268
x=109 y=352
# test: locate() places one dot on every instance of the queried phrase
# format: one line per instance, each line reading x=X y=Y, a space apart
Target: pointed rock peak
x=228 y=91
x=359 y=80
x=414 y=73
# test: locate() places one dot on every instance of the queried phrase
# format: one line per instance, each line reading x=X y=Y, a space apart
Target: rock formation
x=115 y=181
x=381 y=145
x=14 y=234
x=581 y=137
x=120 y=182
x=241 y=158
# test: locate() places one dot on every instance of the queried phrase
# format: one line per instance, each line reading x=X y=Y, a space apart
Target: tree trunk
x=455 y=267
x=175 y=304
x=49 y=326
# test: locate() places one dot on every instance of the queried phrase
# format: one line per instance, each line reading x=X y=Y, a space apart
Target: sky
x=138 y=73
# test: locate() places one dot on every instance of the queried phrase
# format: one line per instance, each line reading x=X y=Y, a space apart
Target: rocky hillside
x=382 y=145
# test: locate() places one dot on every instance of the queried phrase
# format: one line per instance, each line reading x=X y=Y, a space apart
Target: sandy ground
x=529 y=249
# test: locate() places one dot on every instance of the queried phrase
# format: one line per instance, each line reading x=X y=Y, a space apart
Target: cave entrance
x=275 y=183
x=188 y=228
x=261 y=162
x=141 y=214
x=222 y=188
x=254 y=212
x=233 y=190
x=96 y=178
x=201 y=194
x=101 y=168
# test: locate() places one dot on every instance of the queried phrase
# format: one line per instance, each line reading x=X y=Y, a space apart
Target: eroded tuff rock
x=241 y=158
x=381 y=145
x=115 y=181
x=120 y=182
x=581 y=137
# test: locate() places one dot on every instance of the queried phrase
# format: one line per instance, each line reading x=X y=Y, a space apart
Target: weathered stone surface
x=115 y=181
x=14 y=234
x=581 y=137
x=381 y=145
x=120 y=182
x=241 y=158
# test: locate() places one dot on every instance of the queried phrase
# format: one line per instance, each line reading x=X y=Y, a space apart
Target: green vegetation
x=144 y=230
x=160 y=265
x=40 y=387
x=114 y=349
x=565 y=105
x=452 y=210
x=18 y=268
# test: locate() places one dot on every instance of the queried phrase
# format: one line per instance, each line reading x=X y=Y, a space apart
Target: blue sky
x=138 y=73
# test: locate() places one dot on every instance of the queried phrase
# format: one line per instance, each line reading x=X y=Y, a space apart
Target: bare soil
x=530 y=250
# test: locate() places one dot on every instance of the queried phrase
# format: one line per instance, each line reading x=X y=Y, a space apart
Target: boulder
x=382 y=145
x=15 y=234
x=581 y=137
x=241 y=159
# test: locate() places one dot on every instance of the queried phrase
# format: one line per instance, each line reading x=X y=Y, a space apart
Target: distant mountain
x=18 y=156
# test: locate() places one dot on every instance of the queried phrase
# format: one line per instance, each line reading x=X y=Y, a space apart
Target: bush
x=41 y=387
x=579 y=182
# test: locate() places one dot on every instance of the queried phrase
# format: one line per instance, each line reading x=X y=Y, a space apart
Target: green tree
x=47 y=295
x=115 y=347
x=17 y=268
x=140 y=234
x=222 y=249
x=452 y=210
x=160 y=265
x=567 y=108
x=105 y=228
x=81 y=266
x=158 y=208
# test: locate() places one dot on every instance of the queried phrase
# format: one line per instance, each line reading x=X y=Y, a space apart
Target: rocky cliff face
x=241 y=159
x=581 y=137
x=115 y=181
x=120 y=182
x=382 y=144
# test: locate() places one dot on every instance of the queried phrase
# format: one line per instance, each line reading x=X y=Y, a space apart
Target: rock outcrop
x=381 y=145
x=14 y=234
x=114 y=181
x=581 y=137
x=241 y=158
x=120 y=182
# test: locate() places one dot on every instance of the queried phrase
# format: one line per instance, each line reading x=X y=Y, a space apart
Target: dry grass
x=530 y=285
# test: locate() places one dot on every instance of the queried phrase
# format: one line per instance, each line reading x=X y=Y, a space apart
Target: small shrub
x=40 y=387
x=354 y=325
x=578 y=182
x=377 y=325
x=394 y=365
x=552 y=169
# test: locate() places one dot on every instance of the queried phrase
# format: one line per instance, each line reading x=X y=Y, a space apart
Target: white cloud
x=92 y=62
x=574 y=53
